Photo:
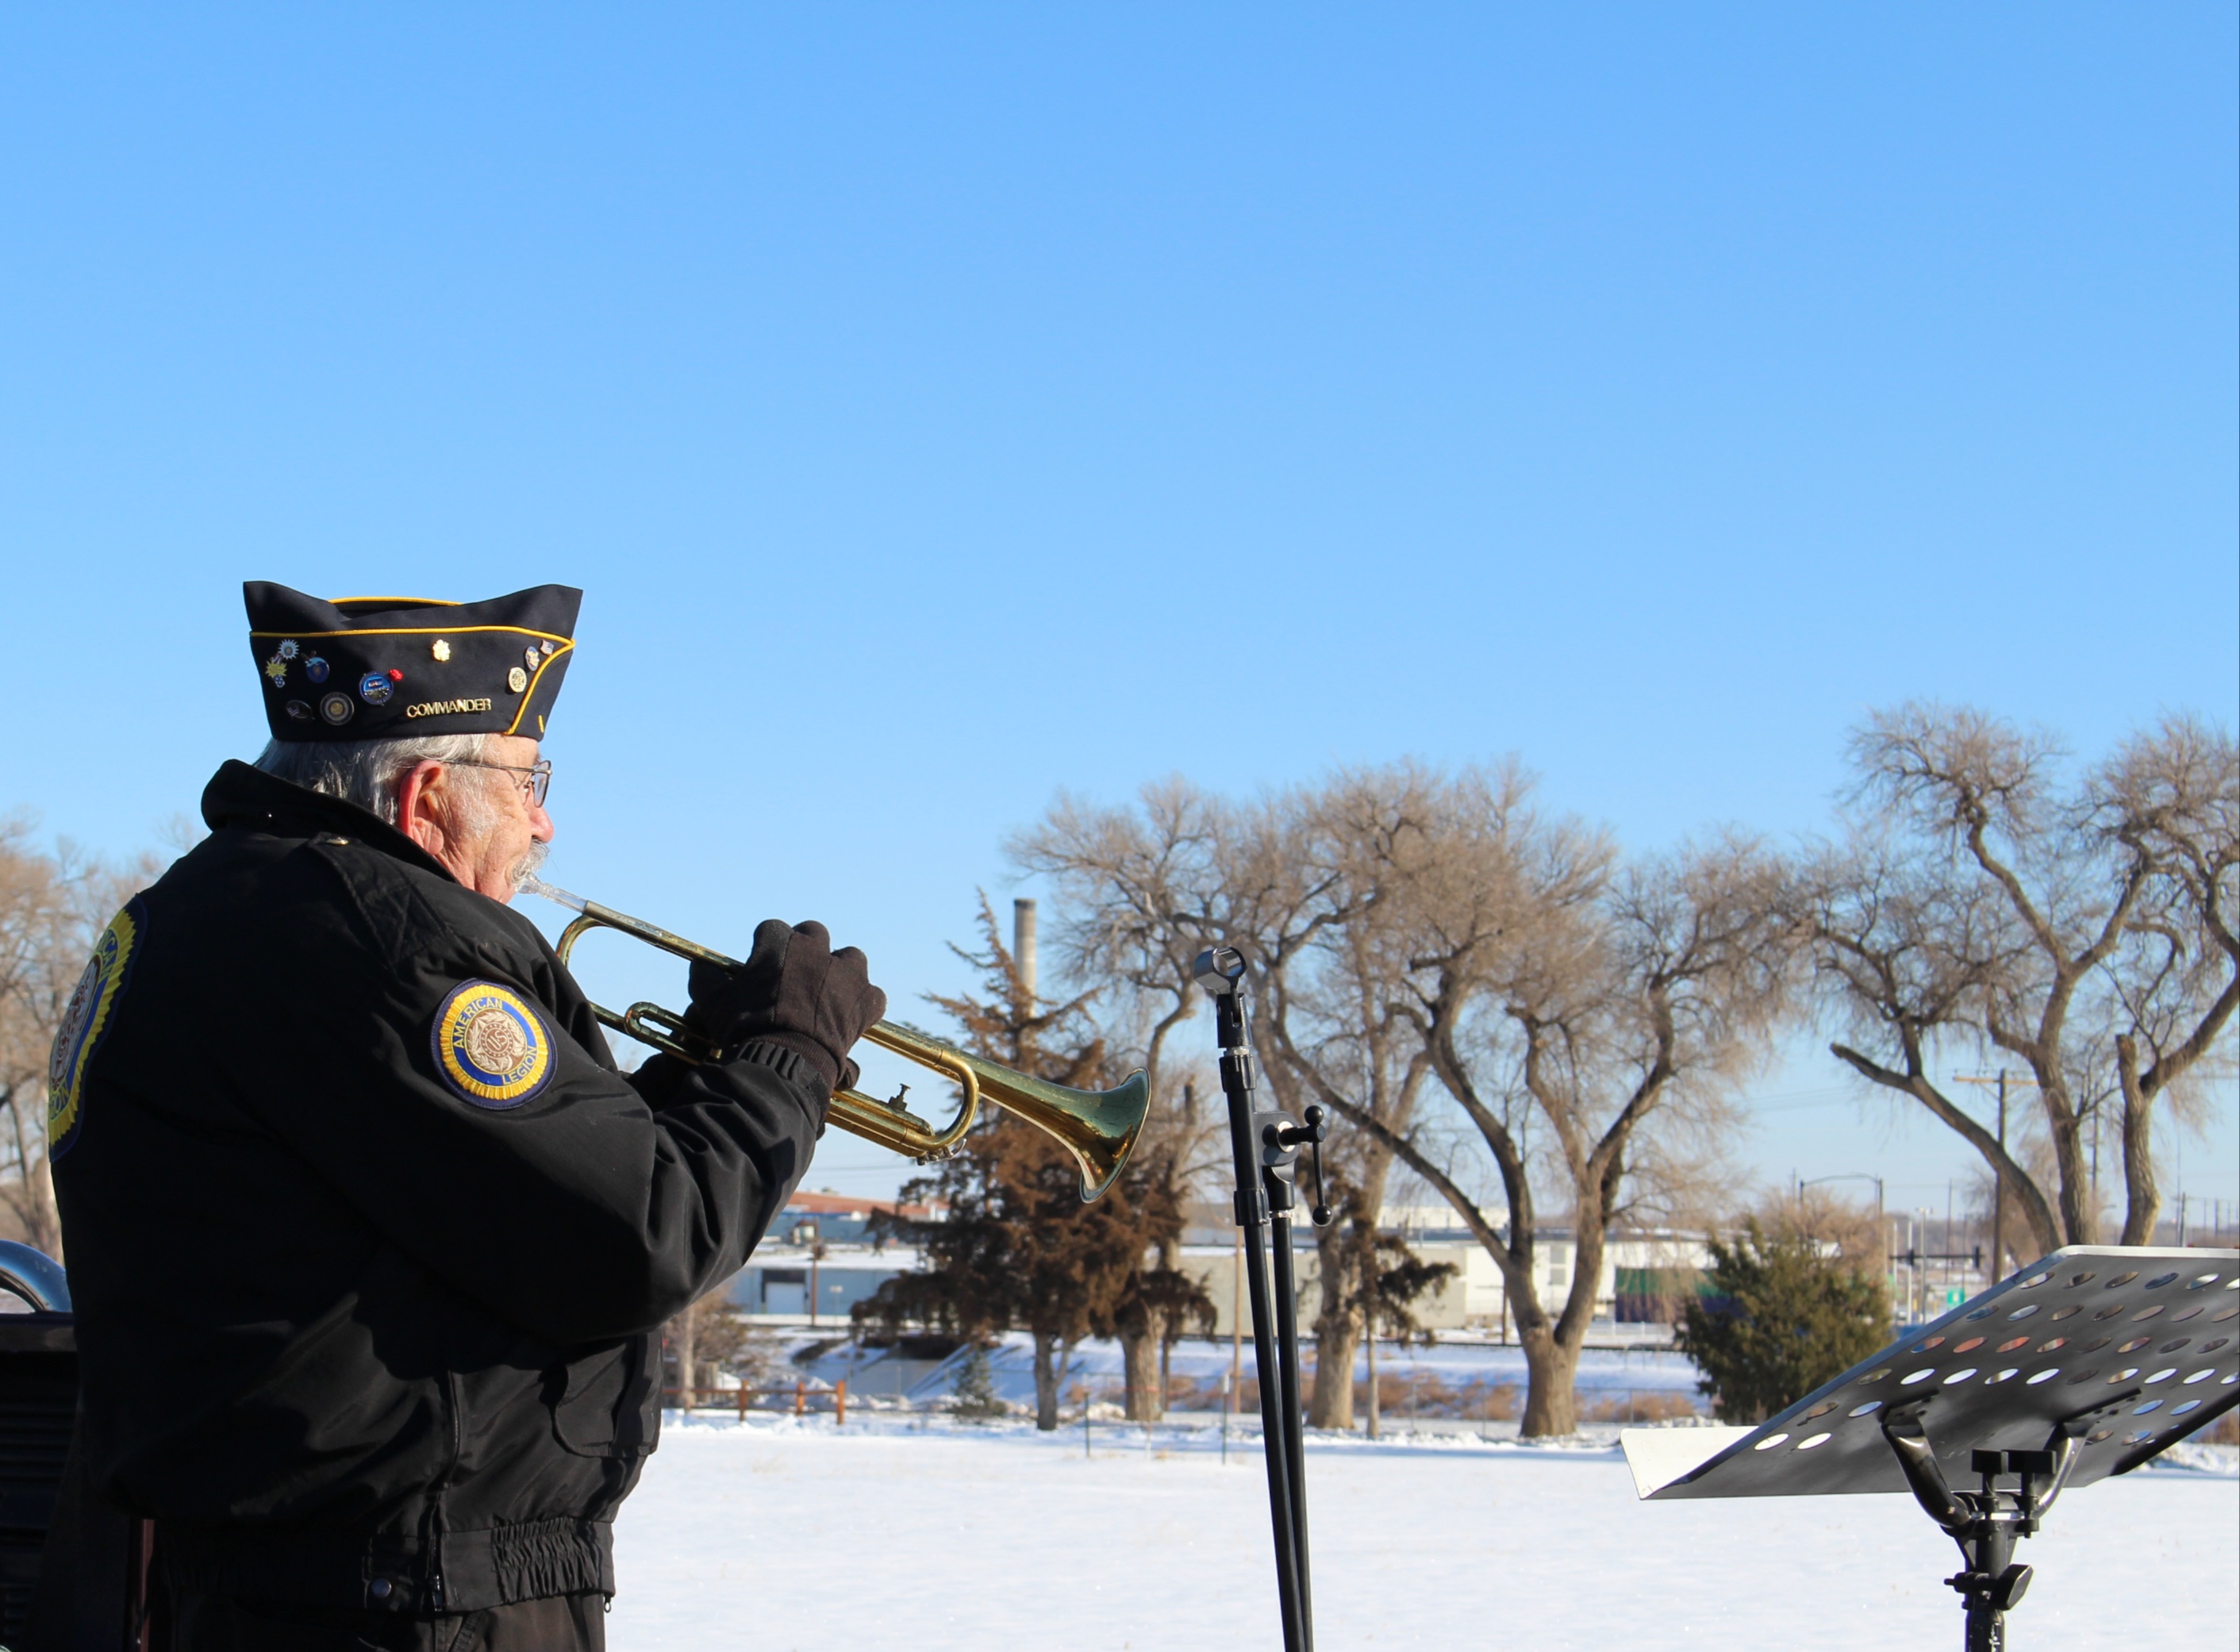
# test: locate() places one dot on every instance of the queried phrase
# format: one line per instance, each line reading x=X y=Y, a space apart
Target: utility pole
x=1998 y=1080
x=816 y=1256
x=1023 y=948
x=1999 y=1170
x=1369 y=1313
x=1237 y=1316
x=1999 y=1188
x=2095 y=1169
x=1923 y=1216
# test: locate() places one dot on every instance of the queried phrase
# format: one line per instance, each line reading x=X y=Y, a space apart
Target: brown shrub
x=1656 y=1405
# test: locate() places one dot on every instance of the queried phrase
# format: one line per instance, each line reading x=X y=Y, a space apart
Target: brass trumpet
x=1097 y=1127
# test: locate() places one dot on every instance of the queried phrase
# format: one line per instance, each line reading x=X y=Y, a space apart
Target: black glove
x=794 y=990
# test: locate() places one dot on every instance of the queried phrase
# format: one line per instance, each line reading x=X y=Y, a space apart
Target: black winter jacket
x=359 y=1324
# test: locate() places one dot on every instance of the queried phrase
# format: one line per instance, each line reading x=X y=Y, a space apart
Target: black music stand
x=1266 y=1144
x=2082 y=1366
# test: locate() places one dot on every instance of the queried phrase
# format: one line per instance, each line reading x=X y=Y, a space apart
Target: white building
x=820 y=1260
x=1641 y=1270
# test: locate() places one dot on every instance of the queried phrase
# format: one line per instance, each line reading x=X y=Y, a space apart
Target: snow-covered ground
x=783 y=1536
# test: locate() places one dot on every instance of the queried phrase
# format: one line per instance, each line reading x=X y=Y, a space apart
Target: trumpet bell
x=1099 y=1128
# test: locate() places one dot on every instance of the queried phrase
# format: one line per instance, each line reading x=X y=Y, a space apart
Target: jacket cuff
x=795 y=1057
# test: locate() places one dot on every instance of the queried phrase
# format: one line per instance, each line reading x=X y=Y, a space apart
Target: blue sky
x=941 y=406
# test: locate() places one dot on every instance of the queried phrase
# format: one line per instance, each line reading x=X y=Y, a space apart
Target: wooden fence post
x=840 y=1404
x=800 y=1398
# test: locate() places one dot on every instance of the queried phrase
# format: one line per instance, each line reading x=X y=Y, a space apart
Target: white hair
x=366 y=772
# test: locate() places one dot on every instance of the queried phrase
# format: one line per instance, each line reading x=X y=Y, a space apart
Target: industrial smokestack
x=1022 y=943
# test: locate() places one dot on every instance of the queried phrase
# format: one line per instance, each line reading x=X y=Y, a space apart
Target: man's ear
x=419 y=815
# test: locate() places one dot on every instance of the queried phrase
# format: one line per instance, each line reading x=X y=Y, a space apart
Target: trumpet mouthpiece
x=554 y=893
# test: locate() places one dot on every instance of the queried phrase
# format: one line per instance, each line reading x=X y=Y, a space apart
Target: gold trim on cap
x=529 y=693
x=424 y=630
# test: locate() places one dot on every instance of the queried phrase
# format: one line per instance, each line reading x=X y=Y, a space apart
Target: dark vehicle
x=64 y=1560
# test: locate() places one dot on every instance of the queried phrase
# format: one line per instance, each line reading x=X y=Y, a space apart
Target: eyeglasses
x=536 y=786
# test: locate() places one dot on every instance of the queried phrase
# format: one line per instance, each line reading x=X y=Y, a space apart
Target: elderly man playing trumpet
x=369 y=1240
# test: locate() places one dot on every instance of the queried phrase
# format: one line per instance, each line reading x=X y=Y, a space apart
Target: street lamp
x=1882 y=1229
x=1881 y=1220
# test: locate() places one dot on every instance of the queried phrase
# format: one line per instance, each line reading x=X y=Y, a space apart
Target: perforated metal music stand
x=2084 y=1365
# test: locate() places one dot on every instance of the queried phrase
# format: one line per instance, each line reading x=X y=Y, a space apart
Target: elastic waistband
x=463 y=1571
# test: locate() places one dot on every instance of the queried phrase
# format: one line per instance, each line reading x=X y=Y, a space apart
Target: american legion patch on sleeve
x=92 y=1005
x=490 y=1046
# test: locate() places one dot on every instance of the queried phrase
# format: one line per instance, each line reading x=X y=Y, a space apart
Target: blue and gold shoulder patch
x=85 y=1023
x=490 y=1046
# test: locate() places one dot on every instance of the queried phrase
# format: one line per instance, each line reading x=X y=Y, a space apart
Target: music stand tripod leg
x=1277 y=1133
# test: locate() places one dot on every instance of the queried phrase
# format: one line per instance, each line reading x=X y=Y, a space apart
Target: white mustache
x=523 y=871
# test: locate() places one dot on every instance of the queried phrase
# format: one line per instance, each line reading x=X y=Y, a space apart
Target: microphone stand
x=1266 y=1144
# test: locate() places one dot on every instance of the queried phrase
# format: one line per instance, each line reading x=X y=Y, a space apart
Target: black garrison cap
x=390 y=668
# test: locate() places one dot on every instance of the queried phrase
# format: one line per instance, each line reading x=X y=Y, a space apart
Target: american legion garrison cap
x=387 y=668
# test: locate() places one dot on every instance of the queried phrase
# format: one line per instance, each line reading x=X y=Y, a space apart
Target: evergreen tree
x=975 y=1388
x=1780 y=1319
x=1013 y=1245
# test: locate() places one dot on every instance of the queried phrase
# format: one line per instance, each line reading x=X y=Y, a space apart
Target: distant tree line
x=1543 y=1028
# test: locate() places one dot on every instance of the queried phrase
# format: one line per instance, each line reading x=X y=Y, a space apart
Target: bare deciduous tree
x=1986 y=899
x=1337 y=1025
x=712 y=1335
x=1615 y=1005
x=52 y=907
x=1899 y=960
x=1415 y=934
x=2170 y=799
x=1292 y=880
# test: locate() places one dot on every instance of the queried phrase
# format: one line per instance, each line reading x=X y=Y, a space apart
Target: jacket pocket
x=607 y=1401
